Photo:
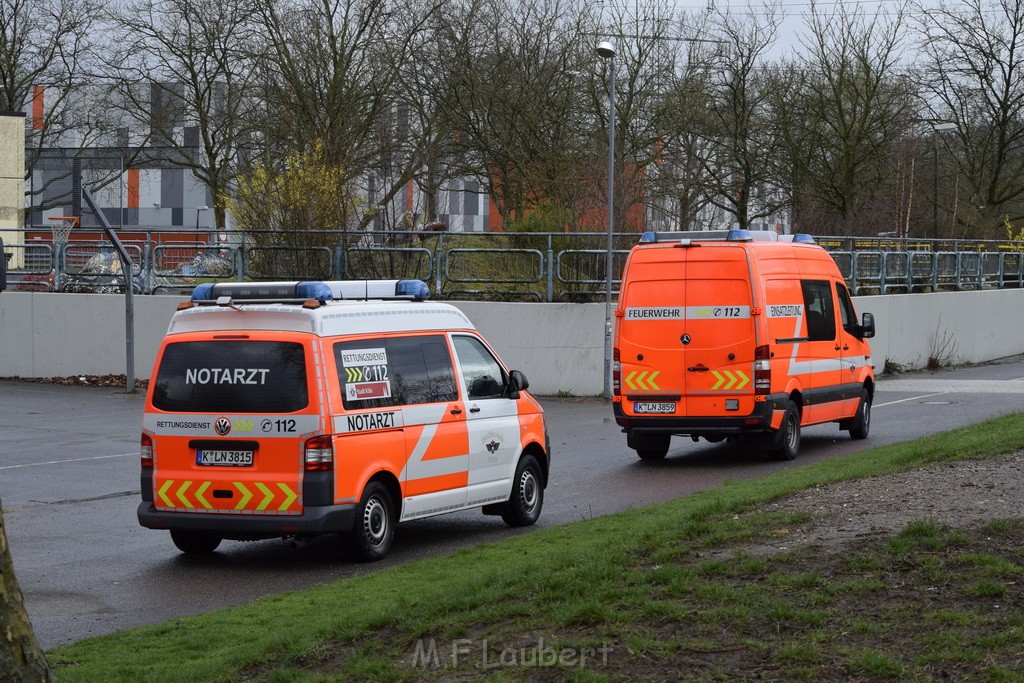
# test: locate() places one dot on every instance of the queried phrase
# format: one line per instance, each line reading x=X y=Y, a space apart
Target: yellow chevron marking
x=650 y=380
x=290 y=496
x=163 y=493
x=629 y=380
x=640 y=380
x=732 y=379
x=719 y=377
x=181 y=493
x=246 y=495
x=199 y=495
x=243 y=426
x=744 y=380
x=268 y=496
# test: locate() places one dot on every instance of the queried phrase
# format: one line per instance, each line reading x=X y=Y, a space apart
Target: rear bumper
x=314 y=521
x=758 y=420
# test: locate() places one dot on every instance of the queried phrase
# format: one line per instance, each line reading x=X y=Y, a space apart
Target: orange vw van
x=296 y=409
x=737 y=334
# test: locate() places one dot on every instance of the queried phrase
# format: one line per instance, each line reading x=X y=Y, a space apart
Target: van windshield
x=232 y=377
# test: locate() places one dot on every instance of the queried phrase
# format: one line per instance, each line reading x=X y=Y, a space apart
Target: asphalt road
x=69 y=487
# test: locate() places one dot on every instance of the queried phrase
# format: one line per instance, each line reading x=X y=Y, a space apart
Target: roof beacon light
x=416 y=289
x=739 y=236
x=262 y=291
x=803 y=238
x=649 y=236
x=380 y=289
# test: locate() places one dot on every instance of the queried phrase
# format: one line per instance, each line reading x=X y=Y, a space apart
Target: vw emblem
x=222 y=426
x=685 y=339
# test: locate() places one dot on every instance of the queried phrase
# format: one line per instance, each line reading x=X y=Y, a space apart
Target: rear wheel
x=786 y=441
x=652 y=447
x=527 y=494
x=861 y=424
x=374 y=528
x=193 y=542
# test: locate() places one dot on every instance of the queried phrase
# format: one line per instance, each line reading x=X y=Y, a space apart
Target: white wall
x=560 y=347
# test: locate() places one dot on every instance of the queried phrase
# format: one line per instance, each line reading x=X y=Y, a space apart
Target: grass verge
x=660 y=592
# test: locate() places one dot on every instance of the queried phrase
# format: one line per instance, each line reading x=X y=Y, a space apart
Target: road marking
x=904 y=400
x=61 y=462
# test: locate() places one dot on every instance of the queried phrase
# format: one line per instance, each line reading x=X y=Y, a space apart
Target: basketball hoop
x=61 y=227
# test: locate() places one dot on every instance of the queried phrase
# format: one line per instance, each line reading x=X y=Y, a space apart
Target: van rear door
x=686 y=335
x=227 y=418
x=718 y=337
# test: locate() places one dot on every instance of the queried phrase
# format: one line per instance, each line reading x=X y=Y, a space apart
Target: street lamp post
x=606 y=51
x=936 y=129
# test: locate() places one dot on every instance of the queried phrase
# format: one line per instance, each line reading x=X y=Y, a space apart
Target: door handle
x=456 y=411
x=474 y=409
x=836 y=347
x=698 y=368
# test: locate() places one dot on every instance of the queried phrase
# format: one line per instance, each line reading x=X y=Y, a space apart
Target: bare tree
x=741 y=140
x=852 y=109
x=972 y=61
x=48 y=51
x=331 y=73
x=21 y=658
x=511 y=84
x=183 y=72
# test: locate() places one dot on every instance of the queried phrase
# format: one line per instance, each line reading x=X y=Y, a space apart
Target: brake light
x=319 y=453
x=147 y=450
x=616 y=373
x=762 y=371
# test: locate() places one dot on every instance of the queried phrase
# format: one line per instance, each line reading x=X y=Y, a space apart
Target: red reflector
x=752 y=421
x=288 y=528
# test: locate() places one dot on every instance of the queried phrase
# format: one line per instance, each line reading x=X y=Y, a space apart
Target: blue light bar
x=417 y=289
x=313 y=290
x=649 y=236
x=739 y=236
x=203 y=292
x=803 y=238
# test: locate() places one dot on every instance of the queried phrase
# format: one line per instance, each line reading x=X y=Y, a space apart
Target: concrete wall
x=560 y=347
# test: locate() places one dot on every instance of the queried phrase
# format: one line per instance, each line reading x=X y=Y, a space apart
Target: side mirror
x=867 y=326
x=516 y=382
x=3 y=266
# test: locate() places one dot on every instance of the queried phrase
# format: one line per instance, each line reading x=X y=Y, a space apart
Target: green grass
x=652 y=582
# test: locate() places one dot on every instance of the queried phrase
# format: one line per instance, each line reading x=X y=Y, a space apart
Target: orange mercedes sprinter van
x=737 y=334
x=296 y=409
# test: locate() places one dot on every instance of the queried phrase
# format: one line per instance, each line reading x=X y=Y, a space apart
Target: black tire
x=527 y=497
x=861 y=424
x=652 y=453
x=192 y=542
x=786 y=441
x=374 y=527
x=652 y=447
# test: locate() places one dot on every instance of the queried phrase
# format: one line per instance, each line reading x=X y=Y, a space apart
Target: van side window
x=397 y=371
x=484 y=376
x=847 y=315
x=821 y=317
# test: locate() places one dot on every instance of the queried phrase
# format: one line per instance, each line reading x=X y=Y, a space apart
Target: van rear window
x=232 y=377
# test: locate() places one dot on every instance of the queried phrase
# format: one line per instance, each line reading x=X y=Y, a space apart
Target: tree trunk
x=21 y=660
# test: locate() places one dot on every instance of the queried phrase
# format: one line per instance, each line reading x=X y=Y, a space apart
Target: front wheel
x=374 y=529
x=193 y=542
x=527 y=494
x=861 y=424
x=786 y=442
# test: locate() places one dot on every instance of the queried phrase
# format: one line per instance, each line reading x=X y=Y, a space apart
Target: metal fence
x=479 y=266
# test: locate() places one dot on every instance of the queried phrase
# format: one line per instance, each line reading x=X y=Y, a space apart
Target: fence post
x=437 y=264
x=550 y=265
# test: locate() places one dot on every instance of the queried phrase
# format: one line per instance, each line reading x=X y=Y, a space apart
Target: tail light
x=616 y=373
x=147 y=450
x=319 y=453
x=762 y=371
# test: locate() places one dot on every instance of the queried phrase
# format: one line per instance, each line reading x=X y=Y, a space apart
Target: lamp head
x=605 y=50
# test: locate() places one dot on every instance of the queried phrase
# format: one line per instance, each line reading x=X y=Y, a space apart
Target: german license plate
x=661 y=407
x=224 y=458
